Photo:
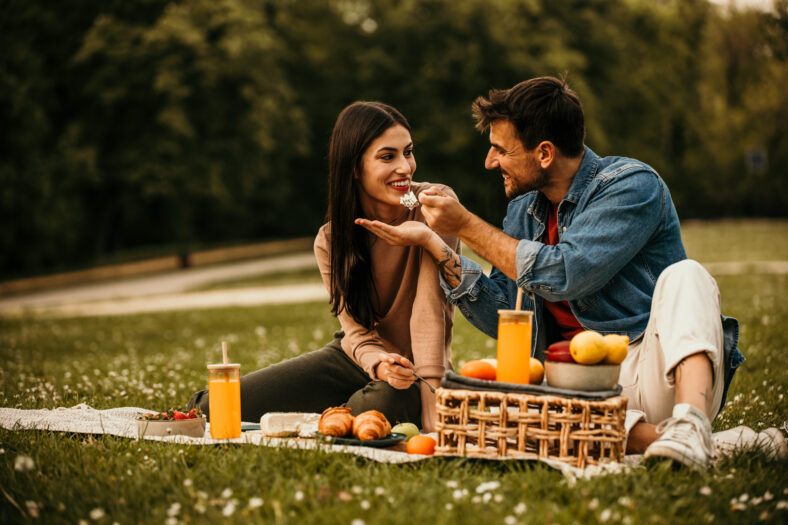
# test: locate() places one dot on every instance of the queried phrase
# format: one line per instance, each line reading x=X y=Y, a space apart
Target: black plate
x=388 y=441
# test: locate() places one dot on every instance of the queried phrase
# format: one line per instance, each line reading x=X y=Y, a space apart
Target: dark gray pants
x=315 y=381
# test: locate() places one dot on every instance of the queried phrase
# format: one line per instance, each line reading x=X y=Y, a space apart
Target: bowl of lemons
x=589 y=362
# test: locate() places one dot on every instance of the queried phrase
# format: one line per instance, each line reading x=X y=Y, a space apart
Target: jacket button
x=563 y=229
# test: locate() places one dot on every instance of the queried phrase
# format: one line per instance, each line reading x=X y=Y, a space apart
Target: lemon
x=617 y=348
x=588 y=347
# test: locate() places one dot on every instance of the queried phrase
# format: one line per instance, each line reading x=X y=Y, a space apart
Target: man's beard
x=515 y=189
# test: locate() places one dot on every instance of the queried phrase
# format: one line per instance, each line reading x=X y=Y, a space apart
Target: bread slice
x=283 y=424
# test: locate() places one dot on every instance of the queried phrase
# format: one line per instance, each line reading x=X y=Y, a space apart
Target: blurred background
x=139 y=128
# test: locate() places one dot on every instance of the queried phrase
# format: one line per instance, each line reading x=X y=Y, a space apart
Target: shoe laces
x=684 y=430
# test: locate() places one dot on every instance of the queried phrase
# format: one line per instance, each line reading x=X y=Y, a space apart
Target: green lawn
x=157 y=361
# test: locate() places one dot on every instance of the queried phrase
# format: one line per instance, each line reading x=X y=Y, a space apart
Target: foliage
x=203 y=121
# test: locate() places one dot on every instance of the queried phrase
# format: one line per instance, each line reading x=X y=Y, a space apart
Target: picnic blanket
x=121 y=422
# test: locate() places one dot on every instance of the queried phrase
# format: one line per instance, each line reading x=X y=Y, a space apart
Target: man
x=595 y=243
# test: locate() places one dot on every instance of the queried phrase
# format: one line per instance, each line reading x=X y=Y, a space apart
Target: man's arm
x=447 y=215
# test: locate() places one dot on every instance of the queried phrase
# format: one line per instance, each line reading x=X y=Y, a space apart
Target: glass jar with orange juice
x=514 y=346
x=224 y=400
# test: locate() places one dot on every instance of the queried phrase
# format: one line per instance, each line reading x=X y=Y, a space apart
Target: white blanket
x=83 y=419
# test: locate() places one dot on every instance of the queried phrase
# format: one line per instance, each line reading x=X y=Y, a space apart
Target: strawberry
x=192 y=413
x=177 y=414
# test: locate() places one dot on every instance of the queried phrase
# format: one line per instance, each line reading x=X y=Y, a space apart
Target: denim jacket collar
x=585 y=173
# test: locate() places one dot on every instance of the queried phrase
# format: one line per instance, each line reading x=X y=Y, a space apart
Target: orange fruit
x=421 y=445
x=478 y=369
x=537 y=372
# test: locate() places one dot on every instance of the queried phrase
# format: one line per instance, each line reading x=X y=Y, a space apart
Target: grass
x=157 y=361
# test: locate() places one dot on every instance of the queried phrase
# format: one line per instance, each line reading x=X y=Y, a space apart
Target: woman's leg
x=308 y=383
x=399 y=406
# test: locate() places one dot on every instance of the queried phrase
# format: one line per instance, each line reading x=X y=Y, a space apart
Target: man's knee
x=687 y=274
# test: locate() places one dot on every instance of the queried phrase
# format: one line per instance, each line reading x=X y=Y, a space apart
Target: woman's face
x=387 y=167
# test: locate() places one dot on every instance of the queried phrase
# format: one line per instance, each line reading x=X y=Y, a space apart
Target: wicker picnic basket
x=490 y=424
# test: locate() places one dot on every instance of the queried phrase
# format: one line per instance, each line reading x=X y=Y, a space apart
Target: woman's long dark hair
x=352 y=287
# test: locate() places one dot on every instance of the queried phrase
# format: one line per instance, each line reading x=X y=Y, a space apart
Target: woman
x=396 y=322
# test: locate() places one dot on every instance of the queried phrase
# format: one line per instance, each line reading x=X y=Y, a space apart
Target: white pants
x=684 y=320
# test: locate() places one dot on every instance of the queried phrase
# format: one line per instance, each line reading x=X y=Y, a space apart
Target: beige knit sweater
x=417 y=320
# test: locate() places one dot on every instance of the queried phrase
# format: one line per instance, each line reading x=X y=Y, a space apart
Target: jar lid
x=519 y=314
x=219 y=367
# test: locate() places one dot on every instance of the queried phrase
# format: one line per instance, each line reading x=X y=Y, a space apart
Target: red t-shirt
x=567 y=323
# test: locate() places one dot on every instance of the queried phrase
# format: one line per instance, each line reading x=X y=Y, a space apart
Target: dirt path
x=165 y=292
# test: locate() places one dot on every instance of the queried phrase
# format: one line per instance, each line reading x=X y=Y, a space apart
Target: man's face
x=520 y=168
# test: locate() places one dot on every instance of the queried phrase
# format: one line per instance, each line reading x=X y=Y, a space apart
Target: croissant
x=335 y=421
x=371 y=425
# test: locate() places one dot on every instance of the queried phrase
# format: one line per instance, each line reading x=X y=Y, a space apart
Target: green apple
x=409 y=429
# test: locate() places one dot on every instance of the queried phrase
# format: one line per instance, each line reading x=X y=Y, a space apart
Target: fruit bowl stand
x=495 y=424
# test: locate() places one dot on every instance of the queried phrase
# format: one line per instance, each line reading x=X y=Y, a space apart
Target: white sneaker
x=684 y=438
x=771 y=441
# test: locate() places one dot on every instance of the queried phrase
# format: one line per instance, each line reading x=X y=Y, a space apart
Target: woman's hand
x=409 y=233
x=397 y=371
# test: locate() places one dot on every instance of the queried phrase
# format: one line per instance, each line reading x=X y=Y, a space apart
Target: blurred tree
x=193 y=122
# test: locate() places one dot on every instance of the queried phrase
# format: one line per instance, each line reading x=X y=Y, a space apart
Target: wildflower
x=228 y=509
x=187 y=482
x=202 y=494
x=738 y=506
x=357 y=522
x=520 y=508
x=32 y=508
x=449 y=506
x=356 y=490
x=705 y=491
x=498 y=498
x=299 y=495
x=764 y=515
x=96 y=514
x=200 y=507
x=510 y=520
x=458 y=494
x=379 y=491
x=174 y=509
x=782 y=505
x=744 y=497
x=487 y=497
x=365 y=505
x=605 y=515
x=488 y=486
x=768 y=496
x=226 y=493
x=452 y=484
x=625 y=502
x=255 y=503
x=171 y=521
x=24 y=463
x=593 y=504
x=2 y=451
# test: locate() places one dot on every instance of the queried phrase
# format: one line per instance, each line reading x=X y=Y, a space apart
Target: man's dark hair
x=542 y=108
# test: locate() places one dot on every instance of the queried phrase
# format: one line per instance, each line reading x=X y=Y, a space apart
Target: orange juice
x=224 y=401
x=514 y=346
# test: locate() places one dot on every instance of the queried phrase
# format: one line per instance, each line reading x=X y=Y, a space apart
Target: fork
x=432 y=388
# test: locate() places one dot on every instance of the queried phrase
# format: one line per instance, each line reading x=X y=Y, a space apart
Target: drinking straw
x=519 y=301
x=225 y=361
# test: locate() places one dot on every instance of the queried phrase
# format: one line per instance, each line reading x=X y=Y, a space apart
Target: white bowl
x=574 y=376
x=194 y=427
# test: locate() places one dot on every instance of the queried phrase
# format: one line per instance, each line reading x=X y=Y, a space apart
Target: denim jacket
x=618 y=229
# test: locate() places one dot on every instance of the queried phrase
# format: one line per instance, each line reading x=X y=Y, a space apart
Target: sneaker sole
x=657 y=452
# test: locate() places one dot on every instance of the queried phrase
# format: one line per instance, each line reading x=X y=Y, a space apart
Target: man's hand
x=409 y=233
x=443 y=213
x=397 y=371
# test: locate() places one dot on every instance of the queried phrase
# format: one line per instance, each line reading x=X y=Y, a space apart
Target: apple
x=409 y=429
x=559 y=352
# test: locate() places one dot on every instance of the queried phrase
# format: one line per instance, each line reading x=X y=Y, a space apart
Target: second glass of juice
x=514 y=346
x=224 y=400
